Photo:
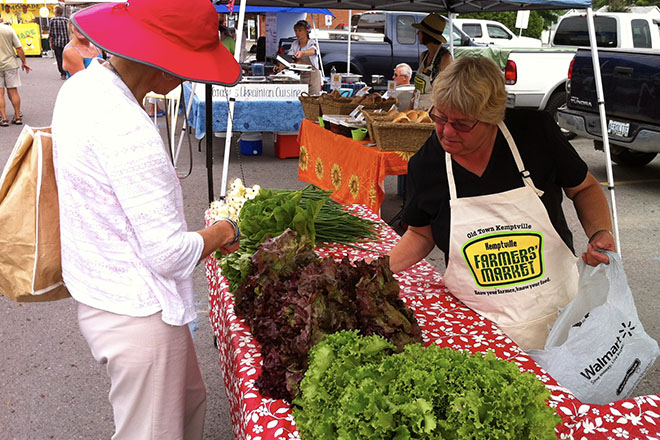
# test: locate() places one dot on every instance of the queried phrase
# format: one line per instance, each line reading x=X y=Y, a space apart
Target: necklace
x=112 y=67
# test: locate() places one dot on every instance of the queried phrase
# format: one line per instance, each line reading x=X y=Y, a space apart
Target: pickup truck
x=631 y=88
x=536 y=78
x=382 y=39
x=495 y=33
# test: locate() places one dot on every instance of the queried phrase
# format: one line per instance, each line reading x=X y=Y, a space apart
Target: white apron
x=423 y=99
x=506 y=261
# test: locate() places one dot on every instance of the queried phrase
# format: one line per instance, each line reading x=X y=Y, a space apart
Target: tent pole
x=208 y=98
x=184 y=126
x=348 y=56
x=450 y=15
x=318 y=52
x=232 y=101
x=603 y=124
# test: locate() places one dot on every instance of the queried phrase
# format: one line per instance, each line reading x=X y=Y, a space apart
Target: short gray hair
x=407 y=70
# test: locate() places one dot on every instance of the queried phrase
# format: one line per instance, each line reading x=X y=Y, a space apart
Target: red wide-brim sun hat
x=178 y=37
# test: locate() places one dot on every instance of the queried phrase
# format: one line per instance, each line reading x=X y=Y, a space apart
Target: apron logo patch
x=505 y=259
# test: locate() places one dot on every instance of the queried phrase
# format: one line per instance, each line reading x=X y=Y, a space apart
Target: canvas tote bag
x=30 y=261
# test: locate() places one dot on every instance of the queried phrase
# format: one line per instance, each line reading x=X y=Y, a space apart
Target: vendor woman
x=487 y=188
x=305 y=52
x=432 y=61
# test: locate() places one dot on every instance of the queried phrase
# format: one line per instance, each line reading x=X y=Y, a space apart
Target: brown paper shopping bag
x=30 y=262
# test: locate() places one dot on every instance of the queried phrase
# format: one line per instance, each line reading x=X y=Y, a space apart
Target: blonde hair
x=473 y=86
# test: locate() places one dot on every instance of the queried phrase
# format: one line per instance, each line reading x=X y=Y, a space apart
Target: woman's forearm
x=415 y=244
x=591 y=206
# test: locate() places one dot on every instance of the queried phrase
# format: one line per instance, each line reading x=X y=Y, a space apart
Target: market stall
x=354 y=170
x=444 y=322
x=30 y=25
x=258 y=106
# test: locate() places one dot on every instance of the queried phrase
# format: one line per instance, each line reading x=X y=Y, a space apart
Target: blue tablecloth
x=248 y=115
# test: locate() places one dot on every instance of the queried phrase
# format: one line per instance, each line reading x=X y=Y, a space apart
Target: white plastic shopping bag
x=598 y=348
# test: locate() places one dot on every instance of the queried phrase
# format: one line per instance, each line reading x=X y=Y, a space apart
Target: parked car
x=494 y=33
x=631 y=88
x=382 y=39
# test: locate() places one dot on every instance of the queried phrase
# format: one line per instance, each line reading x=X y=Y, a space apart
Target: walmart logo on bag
x=603 y=363
x=627 y=329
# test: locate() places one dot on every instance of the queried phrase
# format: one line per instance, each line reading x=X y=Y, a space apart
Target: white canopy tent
x=452 y=7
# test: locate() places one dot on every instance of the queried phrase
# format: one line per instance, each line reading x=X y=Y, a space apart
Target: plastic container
x=286 y=144
x=359 y=134
x=258 y=69
x=251 y=144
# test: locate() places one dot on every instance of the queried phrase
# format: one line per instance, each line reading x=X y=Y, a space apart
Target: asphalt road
x=50 y=387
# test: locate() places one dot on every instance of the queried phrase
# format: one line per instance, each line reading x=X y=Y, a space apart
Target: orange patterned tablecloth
x=353 y=171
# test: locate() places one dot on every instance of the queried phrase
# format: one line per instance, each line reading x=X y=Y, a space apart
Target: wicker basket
x=336 y=106
x=311 y=106
x=385 y=104
x=331 y=105
x=391 y=136
x=370 y=116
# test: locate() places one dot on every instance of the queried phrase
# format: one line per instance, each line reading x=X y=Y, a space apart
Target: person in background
x=304 y=51
x=26 y=15
x=432 y=61
x=487 y=189
x=7 y=16
x=78 y=53
x=402 y=74
x=9 y=78
x=228 y=38
x=58 y=37
x=127 y=254
x=404 y=90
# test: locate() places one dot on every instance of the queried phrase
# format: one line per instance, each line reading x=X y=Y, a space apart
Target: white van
x=493 y=32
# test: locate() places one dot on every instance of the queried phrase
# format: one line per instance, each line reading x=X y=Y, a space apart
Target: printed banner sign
x=255 y=92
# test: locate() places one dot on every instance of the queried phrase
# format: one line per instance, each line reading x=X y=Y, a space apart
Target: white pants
x=156 y=388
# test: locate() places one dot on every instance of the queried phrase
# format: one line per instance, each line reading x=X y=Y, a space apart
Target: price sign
x=363 y=91
x=356 y=111
x=335 y=81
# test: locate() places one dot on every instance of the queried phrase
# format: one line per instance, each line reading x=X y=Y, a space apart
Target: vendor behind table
x=304 y=51
x=486 y=188
x=432 y=61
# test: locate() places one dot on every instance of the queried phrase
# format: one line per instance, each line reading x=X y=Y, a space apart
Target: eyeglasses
x=461 y=126
x=398 y=74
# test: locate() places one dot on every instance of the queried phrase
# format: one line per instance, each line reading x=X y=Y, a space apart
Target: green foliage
x=618 y=5
x=291 y=299
x=355 y=388
x=309 y=211
x=538 y=20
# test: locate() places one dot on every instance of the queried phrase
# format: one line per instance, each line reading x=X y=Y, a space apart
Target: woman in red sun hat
x=127 y=254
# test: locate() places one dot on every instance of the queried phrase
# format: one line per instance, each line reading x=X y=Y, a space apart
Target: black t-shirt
x=547 y=155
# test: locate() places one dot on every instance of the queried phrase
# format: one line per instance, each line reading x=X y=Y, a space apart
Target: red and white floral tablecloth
x=444 y=321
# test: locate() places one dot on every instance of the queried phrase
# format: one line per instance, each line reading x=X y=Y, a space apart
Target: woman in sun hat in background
x=432 y=61
x=127 y=255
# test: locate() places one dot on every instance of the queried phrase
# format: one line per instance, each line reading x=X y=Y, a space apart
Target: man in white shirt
x=404 y=90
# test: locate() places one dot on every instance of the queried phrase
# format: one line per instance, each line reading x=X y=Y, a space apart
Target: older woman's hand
x=230 y=248
x=600 y=240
